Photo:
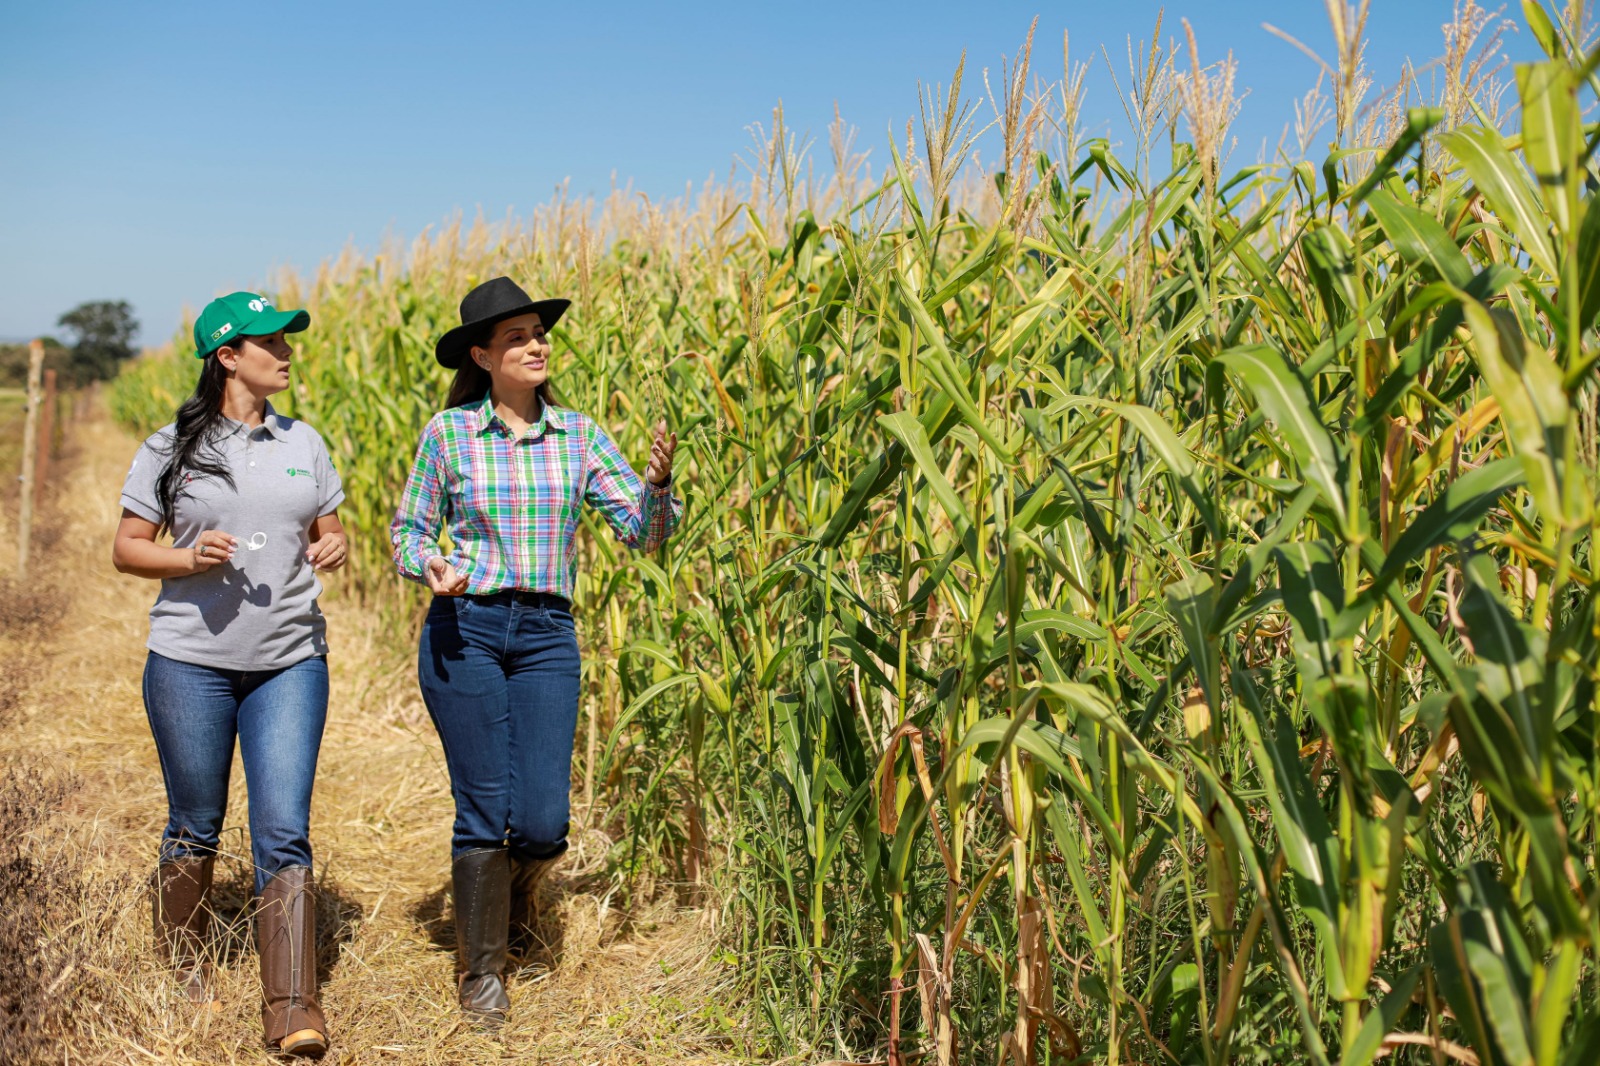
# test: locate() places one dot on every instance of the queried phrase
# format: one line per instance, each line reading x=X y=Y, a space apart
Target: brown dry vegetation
x=81 y=807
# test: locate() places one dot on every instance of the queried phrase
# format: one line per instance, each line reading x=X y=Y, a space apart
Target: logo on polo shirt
x=297 y=472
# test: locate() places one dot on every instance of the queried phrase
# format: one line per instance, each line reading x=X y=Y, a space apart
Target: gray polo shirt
x=258 y=612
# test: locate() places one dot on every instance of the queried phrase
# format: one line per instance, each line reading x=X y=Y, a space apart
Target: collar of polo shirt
x=271 y=421
x=484 y=417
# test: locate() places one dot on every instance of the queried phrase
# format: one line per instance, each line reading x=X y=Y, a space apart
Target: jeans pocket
x=560 y=619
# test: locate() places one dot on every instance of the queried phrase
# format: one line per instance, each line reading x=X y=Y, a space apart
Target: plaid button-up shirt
x=511 y=504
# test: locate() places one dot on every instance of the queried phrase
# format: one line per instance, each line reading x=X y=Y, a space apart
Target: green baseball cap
x=242 y=314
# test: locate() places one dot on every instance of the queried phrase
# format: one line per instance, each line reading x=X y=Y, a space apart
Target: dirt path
x=613 y=988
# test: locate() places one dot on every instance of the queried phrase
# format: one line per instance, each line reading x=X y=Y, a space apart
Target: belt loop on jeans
x=525 y=598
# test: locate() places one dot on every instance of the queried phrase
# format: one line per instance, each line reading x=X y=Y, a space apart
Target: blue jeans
x=500 y=679
x=195 y=713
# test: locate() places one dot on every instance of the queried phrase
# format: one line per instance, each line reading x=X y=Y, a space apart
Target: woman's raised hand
x=210 y=548
x=443 y=578
x=659 y=472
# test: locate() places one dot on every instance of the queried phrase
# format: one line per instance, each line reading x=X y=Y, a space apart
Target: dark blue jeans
x=500 y=679
x=195 y=714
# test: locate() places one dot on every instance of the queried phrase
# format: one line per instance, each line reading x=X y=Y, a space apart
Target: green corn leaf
x=1453 y=975
x=1482 y=961
x=1419 y=239
x=1025 y=322
x=1331 y=263
x=1509 y=652
x=905 y=428
x=1508 y=737
x=1068 y=844
x=1175 y=455
x=1555 y=1002
x=1259 y=557
x=1551 y=137
x=1192 y=602
x=1088 y=511
x=1092 y=703
x=1533 y=405
x=936 y=358
x=871 y=393
x=1313 y=593
x=870 y=483
x=1167 y=445
x=1282 y=396
x=1589 y=264
x=864 y=636
x=879 y=473
x=1051 y=748
x=1301 y=827
x=1420 y=354
x=1419 y=120
x=1232 y=820
x=985 y=254
x=1503 y=181
x=1453 y=516
x=1543 y=30
x=1583 y=1048
x=652 y=649
x=1379 y=1022
x=639 y=703
x=1040 y=621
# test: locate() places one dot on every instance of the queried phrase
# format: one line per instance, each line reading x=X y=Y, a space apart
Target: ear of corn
x=1119 y=614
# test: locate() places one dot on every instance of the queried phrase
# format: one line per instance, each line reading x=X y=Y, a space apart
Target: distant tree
x=102 y=338
x=14 y=363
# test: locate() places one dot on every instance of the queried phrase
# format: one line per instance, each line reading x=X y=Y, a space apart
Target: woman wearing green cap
x=237 y=647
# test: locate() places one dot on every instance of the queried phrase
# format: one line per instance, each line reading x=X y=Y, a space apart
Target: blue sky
x=164 y=153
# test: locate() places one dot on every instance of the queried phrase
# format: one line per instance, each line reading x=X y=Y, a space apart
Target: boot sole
x=305 y=1044
x=485 y=1021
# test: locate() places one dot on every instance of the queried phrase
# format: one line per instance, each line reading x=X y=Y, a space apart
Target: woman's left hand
x=659 y=472
x=328 y=552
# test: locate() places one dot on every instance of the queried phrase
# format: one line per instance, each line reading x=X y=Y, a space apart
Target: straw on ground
x=613 y=986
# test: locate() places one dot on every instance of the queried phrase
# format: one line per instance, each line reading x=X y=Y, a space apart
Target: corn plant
x=1126 y=610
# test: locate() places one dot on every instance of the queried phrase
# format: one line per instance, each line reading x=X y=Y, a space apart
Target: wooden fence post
x=30 y=443
x=47 y=437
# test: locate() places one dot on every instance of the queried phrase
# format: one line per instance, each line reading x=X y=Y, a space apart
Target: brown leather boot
x=180 y=909
x=526 y=874
x=286 y=938
x=481 y=883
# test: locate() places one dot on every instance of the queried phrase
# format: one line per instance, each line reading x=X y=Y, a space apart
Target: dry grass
x=611 y=987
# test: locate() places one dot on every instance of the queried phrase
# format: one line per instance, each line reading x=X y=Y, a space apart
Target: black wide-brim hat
x=494 y=300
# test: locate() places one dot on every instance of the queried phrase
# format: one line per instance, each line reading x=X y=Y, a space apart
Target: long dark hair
x=472 y=381
x=193 y=451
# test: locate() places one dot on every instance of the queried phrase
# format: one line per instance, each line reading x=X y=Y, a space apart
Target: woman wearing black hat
x=506 y=473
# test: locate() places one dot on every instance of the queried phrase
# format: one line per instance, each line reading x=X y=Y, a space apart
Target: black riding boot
x=481 y=880
x=526 y=874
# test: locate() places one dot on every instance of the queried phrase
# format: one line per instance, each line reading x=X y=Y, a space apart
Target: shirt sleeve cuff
x=663 y=489
x=144 y=510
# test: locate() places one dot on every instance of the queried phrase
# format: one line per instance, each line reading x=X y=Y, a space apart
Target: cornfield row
x=1123 y=613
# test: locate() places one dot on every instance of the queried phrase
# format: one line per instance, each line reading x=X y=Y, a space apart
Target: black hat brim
x=453 y=347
